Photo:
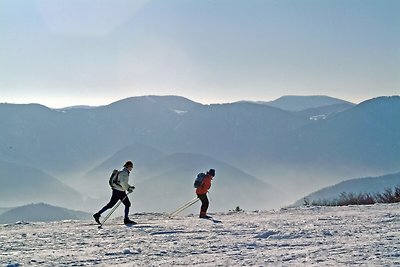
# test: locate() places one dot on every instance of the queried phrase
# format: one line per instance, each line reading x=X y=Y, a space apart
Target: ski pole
x=184 y=206
x=190 y=203
x=111 y=211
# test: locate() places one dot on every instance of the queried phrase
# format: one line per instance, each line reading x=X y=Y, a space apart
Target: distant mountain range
x=41 y=213
x=366 y=136
x=299 y=103
x=266 y=154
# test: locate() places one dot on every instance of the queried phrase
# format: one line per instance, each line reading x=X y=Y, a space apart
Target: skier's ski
x=139 y=224
x=130 y=224
x=211 y=219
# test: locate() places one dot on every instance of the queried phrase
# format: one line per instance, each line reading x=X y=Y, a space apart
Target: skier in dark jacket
x=118 y=193
x=201 y=192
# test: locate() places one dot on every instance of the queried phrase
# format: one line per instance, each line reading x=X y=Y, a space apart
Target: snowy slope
x=315 y=236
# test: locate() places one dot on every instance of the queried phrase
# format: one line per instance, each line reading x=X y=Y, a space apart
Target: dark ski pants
x=204 y=204
x=117 y=195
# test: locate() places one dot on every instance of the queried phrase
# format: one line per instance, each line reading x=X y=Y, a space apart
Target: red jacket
x=205 y=185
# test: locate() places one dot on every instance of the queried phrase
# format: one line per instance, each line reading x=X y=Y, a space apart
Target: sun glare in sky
x=64 y=53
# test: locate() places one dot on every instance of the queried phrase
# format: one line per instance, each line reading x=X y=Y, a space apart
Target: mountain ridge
x=363 y=185
x=299 y=103
x=282 y=148
x=41 y=212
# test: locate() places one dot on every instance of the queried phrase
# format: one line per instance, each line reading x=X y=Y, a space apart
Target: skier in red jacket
x=201 y=192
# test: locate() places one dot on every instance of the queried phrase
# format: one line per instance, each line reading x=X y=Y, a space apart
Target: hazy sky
x=72 y=52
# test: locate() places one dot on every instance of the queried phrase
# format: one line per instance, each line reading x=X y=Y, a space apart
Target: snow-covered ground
x=314 y=236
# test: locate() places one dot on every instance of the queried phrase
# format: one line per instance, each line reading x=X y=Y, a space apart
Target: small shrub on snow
x=345 y=199
x=237 y=209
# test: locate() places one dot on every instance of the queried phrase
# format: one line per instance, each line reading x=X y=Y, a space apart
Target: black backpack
x=113 y=178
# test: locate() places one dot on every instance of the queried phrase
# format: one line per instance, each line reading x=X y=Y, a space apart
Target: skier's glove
x=130 y=189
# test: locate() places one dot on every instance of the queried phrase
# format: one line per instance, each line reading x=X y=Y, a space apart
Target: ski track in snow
x=306 y=236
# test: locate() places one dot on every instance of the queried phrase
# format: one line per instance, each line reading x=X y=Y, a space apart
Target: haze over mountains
x=266 y=154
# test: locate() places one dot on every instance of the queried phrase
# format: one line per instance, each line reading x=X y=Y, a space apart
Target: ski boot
x=127 y=221
x=96 y=217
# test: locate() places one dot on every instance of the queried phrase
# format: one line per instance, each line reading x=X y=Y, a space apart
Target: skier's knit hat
x=211 y=172
x=128 y=164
